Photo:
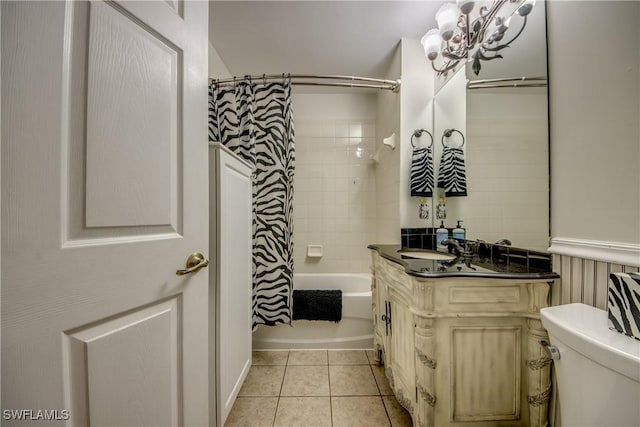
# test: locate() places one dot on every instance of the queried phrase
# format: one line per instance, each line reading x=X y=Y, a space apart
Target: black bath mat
x=317 y=304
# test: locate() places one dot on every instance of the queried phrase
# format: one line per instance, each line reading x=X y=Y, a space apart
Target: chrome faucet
x=506 y=242
x=455 y=245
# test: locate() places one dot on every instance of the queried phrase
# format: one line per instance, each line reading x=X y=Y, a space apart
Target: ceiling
x=355 y=38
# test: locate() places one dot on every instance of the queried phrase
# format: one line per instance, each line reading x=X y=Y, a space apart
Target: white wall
x=402 y=114
x=217 y=68
x=387 y=171
x=335 y=188
x=594 y=62
x=416 y=112
x=450 y=112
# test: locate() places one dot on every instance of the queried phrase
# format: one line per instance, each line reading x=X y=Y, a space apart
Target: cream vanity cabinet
x=462 y=351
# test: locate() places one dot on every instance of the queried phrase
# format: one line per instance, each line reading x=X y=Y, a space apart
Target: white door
x=104 y=195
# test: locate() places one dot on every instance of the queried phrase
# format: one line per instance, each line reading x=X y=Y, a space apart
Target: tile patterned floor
x=316 y=388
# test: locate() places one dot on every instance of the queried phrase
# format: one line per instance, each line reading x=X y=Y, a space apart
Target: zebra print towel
x=421 y=172
x=624 y=303
x=451 y=173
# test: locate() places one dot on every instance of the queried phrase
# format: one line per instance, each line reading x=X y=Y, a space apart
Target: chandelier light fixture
x=469 y=33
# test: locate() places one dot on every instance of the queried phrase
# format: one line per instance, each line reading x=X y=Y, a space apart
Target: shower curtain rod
x=512 y=85
x=347 y=81
x=507 y=82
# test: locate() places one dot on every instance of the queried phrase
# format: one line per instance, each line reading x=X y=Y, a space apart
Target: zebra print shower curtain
x=255 y=121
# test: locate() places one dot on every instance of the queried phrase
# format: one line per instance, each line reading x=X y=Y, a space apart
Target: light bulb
x=431 y=42
x=447 y=18
x=466 y=6
x=526 y=7
x=502 y=24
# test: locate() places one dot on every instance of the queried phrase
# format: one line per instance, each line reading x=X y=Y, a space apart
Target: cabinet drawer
x=485 y=294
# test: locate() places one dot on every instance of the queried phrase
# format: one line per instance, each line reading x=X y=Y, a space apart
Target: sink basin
x=425 y=254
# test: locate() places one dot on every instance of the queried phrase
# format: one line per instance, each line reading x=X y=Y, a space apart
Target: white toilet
x=598 y=371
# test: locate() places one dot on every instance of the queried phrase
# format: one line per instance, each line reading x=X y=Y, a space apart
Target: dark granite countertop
x=505 y=266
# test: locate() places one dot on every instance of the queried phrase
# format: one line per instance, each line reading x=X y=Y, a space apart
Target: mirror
x=505 y=123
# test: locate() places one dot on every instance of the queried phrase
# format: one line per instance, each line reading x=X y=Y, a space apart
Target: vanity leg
x=538 y=375
x=377 y=339
x=426 y=364
x=378 y=355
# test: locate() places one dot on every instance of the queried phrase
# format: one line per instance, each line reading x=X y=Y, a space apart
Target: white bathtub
x=355 y=330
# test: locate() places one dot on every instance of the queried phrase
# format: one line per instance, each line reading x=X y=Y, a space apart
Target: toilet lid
x=585 y=329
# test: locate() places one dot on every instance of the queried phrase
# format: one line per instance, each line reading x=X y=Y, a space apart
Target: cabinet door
x=401 y=349
x=379 y=314
x=484 y=381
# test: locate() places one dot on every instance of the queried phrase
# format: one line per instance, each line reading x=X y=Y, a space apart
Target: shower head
x=390 y=141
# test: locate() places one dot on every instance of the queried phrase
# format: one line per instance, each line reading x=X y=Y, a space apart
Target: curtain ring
x=448 y=132
x=264 y=79
x=234 y=83
x=418 y=133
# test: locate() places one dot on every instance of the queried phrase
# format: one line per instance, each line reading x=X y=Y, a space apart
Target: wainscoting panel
x=583 y=280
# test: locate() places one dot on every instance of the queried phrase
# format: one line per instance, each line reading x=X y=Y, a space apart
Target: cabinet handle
x=386 y=318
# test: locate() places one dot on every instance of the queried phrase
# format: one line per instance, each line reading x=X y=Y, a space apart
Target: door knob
x=195 y=263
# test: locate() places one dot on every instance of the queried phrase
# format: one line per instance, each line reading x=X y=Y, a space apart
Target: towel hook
x=418 y=133
x=448 y=132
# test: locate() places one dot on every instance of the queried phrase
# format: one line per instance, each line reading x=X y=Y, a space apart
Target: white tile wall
x=507 y=169
x=335 y=194
x=387 y=171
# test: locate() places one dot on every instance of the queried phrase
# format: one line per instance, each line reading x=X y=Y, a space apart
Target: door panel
x=133 y=110
x=103 y=107
x=129 y=362
x=479 y=391
x=122 y=119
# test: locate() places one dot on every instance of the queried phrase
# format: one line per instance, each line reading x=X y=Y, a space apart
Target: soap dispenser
x=459 y=233
x=442 y=234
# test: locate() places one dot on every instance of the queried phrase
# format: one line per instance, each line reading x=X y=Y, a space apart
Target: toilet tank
x=598 y=372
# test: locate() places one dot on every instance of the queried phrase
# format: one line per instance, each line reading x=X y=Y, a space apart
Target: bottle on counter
x=459 y=233
x=441 y=234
